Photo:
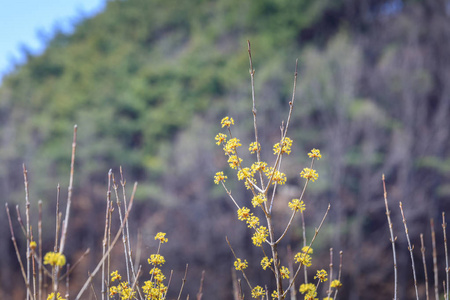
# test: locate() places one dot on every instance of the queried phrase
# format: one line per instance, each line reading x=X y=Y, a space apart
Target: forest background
x=147 y=82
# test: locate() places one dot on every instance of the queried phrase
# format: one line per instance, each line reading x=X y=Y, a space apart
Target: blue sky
x=25 y=22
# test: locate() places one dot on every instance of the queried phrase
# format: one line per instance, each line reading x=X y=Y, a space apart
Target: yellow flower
x=219 y=177
x=243 y=213
x=266 y=262
x=115 y=276
x=284 y=272
x=52 y=297
x=231 y=145
x=260 y=236
x=54 y=259
x=297 y=205
x=244 y=173
x=259 y=166
x=321 y=275
x=315 y=153
x=227 y=121
x=336 y=284
x=252 y=221
x=240 y=265
x=307 y=288
x=161 y=236
x=303 y=258
x=258 y=200
x=278 y=177
x=274 y=295
x=309 y=174
x=234 y=161
x=220 y=138
x=254 y=147
x=284 y=148
x=156 y=259
x=258 y=292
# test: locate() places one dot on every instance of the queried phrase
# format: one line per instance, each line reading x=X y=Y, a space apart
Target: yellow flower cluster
x=123 y=290
x=259 y=166
x=234 y=161
x=285 y=147
x=244 y=214
x=221 y=138
x=309 y=289
x=231 y=146
x=258 y=200
x=258 y=291
x=321 y=275
x=154 y=290
x=274 y=295
x=309 y=174
x=54 y=259
x=336 y=284
x=260 y=235
x=157 y=274
x=115 y=276
x=161 y=236
x=303 y=258
x=266 y=262
x=219 y=177
x=284 y=272
x=254 y=147
x=240 y=265
x=156 y=259
x=315 y=153
x=227 y=121
x=297 y=205
x=278 y=177
x=244 y=173
x=52 y=297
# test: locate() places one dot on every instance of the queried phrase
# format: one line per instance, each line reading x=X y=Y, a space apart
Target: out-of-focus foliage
x=148 y=81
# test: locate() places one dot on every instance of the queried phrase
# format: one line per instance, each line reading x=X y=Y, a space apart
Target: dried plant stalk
x=435 y=267
x=410 y=248
x=391 y=231
x=422 y=250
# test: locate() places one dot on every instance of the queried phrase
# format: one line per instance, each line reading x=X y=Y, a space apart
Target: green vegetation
x=146 y=80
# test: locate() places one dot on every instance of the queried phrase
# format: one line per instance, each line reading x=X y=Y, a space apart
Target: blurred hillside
x=147 y=82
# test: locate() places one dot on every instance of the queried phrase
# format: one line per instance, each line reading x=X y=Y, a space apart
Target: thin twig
x=444 y=227
x=70 y=268
x=13 y=239
x=69 y=192
x=435 y=266
x=183 y=281
x=291 y=270
x=331 y=273
x=127 y=231
x=67 y=280
x=422 y=250
x=340 y=272
x=105 y=279
x=304 y=244
x=200 y=289
x=57 y=217
x=410 y=248
x=40 y=251
x=27 y=215
x=391 y=231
